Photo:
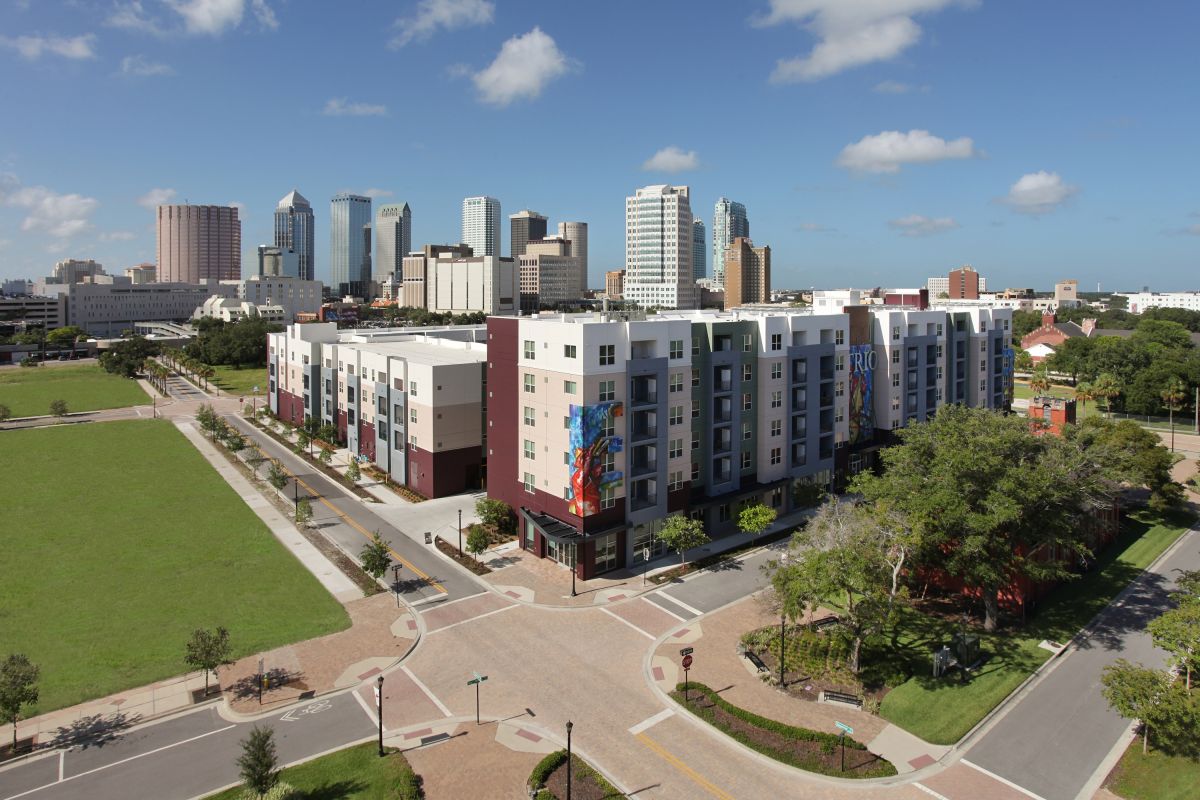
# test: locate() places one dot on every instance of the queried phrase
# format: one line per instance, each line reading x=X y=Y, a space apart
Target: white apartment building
x=294 y=295
x=1140 y=301
x=481 y=229
x=658 y=248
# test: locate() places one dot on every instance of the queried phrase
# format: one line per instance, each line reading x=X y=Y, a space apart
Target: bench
x=825 y=622
x=842 y=697
x=756 y=661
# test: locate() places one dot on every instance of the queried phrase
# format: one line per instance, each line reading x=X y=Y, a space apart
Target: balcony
x=722 y=410
x=722 y=379
x=826 y=397
x=722 y=471
x=642 y=495
x=799 y=399
x=645 y=425
x=799 y=371
x=722 y=441
x=644 y=391
x=799 y=427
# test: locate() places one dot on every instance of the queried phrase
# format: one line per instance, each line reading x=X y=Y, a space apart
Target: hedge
x=537 y=778
x=583 y=770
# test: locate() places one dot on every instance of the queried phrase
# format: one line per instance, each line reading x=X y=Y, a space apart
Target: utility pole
x=379 y=710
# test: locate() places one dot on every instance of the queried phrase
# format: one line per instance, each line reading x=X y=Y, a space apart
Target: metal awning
x=556 y=530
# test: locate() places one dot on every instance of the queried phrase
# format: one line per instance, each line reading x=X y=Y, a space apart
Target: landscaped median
x=548 y=781
x=813 y=751
x=356 y=773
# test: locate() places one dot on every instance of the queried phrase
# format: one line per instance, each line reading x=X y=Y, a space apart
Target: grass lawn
x=237 y=380
x=29 y=391
x=1154 y=776
x=356 y=773
x=943 y=710
x=122 y=540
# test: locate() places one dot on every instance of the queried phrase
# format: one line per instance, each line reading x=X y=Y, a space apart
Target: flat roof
x=443 y=352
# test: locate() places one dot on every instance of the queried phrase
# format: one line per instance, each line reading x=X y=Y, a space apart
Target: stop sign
x=687 y=661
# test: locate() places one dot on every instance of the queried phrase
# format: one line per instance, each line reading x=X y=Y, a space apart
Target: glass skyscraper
x=350 y=244
x=481 y=225
x=699 y=245
x=294 y=231
x=729 y=222
x=393 y=239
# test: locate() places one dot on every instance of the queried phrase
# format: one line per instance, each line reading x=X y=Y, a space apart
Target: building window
x=695 y=378
x=895 y=379
x=839 y=337
x=723 y=513
x=895 y=333
x=412 y=414
x=608 y=355
x=776 y=371
x=747 y=431
x=776 y=341
x=695 y=409
x=350 y=416
x=695 y=440
x=695 y=345
x=776 y=455
x=776 y=427
x=840 y=363
x=747 y=459
x=529 y=482
x=747 y=401
x=676 y=381
x=570 y=387
x=838 y=414
x=747 y=342
x=569 y=350
x=530 y=452
x=608 y=496
x=608 y=391
x=895 y=404
x=839 y=389
x=412 y=388
x=566 y=423
x=676 y=415
x=609 y=428
x=412 y=441
x=676 y=349
x=896 y=355
x=777 y=399
x=608 y=462
x=675 y=481
x=695 y=470
x=530 y=350
x=747 y=372
x=530 y=418
x=675 y=448
x=530 y=384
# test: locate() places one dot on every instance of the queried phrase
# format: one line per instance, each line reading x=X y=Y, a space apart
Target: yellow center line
x=671 y=759
x=369 y=536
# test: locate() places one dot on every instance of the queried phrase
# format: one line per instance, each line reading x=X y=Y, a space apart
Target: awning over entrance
x=556 y=530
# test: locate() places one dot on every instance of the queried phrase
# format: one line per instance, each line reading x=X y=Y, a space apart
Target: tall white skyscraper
x=481 y=225
x=350 y=244
x=576 y=233
x=658 y=248
x=294 y=231
x=393 y=240
x=729 y=222
x=699 y=245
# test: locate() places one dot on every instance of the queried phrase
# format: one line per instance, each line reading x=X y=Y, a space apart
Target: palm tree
x=1084 y=393
x=1173 y=396
x=1107 y=386
x=1039 y=381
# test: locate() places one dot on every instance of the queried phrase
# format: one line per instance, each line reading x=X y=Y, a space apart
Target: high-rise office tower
x=350 y=244
x=658 y=248
x=747 y=273
x=294 y=231
x=524 y=227
x=481 y=225
x=393 y=240
x=577 y=234
x=729 y=222
x=699 y=245
x=199 y=243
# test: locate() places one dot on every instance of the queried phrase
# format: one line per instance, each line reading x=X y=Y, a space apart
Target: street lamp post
x=379 y=709
x=782 y=633
x=569 y=726
x=574 y=565
x=460 y=533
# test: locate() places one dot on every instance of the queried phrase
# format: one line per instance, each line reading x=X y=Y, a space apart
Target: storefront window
x=645 y=536
x=606 y=553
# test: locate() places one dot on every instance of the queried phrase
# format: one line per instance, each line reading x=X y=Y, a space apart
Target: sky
x=873 y=142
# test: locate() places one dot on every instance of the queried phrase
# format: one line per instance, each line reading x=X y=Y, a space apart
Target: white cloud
x=377 y=193
x=896 y=87
x=198 y=17
x=132 y=16
x=340 y=107
x=919 y=225
x=889 y=150
x=850 y=33
x=155 y=198
x=1038 y=193
x=33 y=47
x=210 y=17
x=671 y=159
x=118 y=236
x=448 y=14
x=60 y=215
x=814 y=227
x=142 y=67
x=264 y=14
x=524 y=66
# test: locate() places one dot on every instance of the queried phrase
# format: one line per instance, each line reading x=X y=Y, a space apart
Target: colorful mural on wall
x=862 y=398
x=589 y=445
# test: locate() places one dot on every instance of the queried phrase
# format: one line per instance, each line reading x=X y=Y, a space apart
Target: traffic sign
x=844 y=727
x=687 y=662
x=686 y=651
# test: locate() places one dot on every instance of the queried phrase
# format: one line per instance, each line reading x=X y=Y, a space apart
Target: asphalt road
x=721 y=585
x=1052 y=742
x=181 y=757
x=355 y=522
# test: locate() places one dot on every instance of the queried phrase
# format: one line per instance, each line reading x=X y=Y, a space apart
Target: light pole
x=782 y=620
x=569 y=726
x=574 y=567
x=460 y=533
x=379 y=709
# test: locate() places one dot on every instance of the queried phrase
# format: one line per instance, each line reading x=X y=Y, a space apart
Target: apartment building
x=614 y=284
x=602 y=425
x=410 y=401
x=1140 y=301
x=747 y=273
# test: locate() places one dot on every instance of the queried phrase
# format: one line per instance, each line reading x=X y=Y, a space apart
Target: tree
x=5 y=412
x=1178 y=632
x=1173 y=397
x=303 y=441
x=1134 y=692
x=353 y=473
x=755 y=519
x=1023 y=361
x=258 y=763
x=206 y=417
x=1127 y=453
x=276 y=475
x=235 y=442
x=255 y=460
x=58 y=408
x=496 y=513
x=680 y=533
x=1106 y=387
x=18 y=688
x=207 y=650
x=303 y=511
x=65 y=336
x=325 y=456
x=126 y=357
x=1039 y=381
x=1084 y=394
x=477 y=541
x=376 y=557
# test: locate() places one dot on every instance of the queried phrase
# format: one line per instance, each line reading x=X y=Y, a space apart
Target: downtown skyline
x=1036 y=144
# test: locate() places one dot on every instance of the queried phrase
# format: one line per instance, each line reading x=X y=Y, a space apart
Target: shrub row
x=781 y=728
x=537 y=778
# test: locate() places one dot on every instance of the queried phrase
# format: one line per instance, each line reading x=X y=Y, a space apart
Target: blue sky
x=874 y=142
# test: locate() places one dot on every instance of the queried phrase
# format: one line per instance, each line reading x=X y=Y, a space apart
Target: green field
x=28 y=392
x=356 y=773
x=121 y=540
x=943 y=710
x=235 y=380
x=1154 y=776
